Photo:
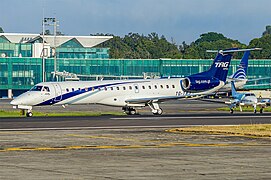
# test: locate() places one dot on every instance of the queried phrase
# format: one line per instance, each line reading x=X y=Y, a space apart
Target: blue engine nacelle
x=199 y=83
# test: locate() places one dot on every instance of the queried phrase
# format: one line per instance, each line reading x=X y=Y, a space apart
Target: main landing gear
x=129 y=110
x=156 y=110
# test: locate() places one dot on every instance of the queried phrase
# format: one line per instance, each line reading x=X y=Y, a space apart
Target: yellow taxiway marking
x=111 y=138
x=82 y=147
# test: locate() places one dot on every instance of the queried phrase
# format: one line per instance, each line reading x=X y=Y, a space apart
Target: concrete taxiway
x=132 y=147
x=137 y=121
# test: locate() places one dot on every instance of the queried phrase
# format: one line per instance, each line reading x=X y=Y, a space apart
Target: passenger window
x=155 y=86
x=130 y=87
x=143 y=87
x=161 y=86
x=149 y=87
x=79 y=89
x=67 y=89
x=112 y=88
x=72 y=89
x=136 y=87
x=105 y=88
x=118 y=88
x=167 y=86
x=173 y=86
x=124 y=88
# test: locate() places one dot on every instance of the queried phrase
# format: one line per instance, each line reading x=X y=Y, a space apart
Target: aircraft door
x=136 y=88
x=58 y=93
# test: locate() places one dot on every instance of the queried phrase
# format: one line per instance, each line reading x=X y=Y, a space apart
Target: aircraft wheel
x=129 y=110
x=158 y=112
x=231 y=111
x=29 y=114
x=255 y=111
x=261 y=110
x=132 y=112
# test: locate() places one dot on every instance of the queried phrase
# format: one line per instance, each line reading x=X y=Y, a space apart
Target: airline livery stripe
x=82 y=91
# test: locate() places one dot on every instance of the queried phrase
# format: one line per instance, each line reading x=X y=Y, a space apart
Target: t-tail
x=241 y=72
x=213 y=77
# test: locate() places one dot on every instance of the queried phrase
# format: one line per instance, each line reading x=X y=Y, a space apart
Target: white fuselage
x=113 y=93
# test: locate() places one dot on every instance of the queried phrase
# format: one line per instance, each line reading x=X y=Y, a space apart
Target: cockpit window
x=250 y=94
x=36 y=88
x=46 y=89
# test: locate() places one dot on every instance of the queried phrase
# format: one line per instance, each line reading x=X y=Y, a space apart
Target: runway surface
x=131 y=147
x=137 y=121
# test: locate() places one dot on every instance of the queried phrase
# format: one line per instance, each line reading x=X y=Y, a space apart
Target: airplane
x=129 y=94
x=244 y=99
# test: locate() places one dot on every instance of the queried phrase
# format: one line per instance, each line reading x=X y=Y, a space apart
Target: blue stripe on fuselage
x=81 y=91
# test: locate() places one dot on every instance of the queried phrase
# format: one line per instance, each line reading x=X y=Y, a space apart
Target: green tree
x=209 y=41
x=267 y=30
x=264 y=43
x=138 y=46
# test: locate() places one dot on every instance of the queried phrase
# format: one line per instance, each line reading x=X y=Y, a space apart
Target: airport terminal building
x=27 y=59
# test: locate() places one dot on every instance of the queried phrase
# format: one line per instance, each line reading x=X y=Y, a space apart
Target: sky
x=178 y=20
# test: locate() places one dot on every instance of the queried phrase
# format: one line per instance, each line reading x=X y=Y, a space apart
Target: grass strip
x=258 y=130
x=58 y=114
x=245 y=109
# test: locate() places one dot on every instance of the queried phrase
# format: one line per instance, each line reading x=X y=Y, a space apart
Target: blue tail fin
x=220 y=67
x=233 y=89
x=241 y=72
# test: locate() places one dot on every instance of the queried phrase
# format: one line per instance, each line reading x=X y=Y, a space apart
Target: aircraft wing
x=161 y=99
x=262 y=104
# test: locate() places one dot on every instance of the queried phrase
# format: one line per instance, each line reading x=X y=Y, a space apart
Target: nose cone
x=15 y=102
x=23 y=99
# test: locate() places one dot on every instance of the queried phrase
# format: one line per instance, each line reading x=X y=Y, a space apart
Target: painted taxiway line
x=190 y=117
x=135 y=146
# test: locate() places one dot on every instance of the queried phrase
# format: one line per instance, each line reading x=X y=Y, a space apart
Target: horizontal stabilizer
x=233 y=50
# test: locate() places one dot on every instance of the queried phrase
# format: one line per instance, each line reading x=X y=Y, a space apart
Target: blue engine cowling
x=200 y=83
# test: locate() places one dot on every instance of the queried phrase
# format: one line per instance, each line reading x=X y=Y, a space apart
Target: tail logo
x=222 y=64
x=240 y=74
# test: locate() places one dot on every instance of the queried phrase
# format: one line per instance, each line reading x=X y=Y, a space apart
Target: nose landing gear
x=29 y=113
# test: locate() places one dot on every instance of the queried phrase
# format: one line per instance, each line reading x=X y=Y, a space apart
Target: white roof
x=86 y=41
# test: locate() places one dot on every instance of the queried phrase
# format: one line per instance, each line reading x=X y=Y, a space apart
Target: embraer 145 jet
x=129 y=94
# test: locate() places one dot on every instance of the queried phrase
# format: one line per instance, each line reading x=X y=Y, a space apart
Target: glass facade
x=82 y=53
x=70 y=49
x=23 y=73
x=15 y=50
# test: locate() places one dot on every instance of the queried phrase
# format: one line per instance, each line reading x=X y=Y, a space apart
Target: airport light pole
x=52 y=22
